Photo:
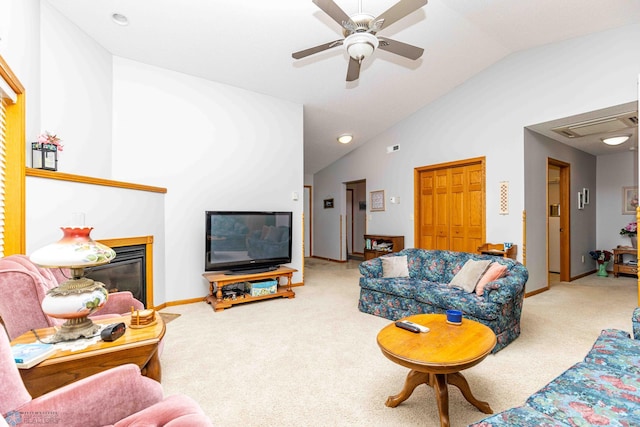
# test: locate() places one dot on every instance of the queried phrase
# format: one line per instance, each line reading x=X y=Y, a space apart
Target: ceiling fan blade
x=397 y=12
x=334 y=11
x=353 y=72
x=399 y=48
x=306 y=52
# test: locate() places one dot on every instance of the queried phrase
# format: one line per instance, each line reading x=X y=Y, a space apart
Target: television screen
x=247 y=241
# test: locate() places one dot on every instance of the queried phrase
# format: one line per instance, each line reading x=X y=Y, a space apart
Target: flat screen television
x=247 y=242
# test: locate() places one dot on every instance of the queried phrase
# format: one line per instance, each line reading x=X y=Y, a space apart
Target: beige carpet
x=313 y=360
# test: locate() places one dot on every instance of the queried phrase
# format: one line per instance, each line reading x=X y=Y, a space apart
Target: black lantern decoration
x=44 y=156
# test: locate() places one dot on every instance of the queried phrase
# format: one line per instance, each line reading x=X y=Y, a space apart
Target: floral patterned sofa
x=426 y=291
x=603 y=389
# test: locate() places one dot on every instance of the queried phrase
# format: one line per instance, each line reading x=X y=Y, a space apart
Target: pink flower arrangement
x=630 y=230
x=48 y=138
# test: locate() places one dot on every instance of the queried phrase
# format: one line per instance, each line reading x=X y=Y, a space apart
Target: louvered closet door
x=425 y=181
x=466 y=208
x=450 y=206
x=441 y=213
x=3 y=169
x=12 y=162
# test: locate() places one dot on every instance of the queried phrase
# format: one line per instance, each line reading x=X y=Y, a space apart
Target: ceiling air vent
x=608 y=124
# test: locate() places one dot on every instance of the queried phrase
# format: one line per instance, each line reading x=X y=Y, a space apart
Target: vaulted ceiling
x=248 y=44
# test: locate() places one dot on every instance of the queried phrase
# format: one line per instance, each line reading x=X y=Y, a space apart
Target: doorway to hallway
x=355 y=219
x=558 y=225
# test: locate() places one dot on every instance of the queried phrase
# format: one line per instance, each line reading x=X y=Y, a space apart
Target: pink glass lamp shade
x=79 y=296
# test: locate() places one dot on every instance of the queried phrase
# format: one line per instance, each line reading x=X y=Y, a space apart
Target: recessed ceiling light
x=616 y=140
x=345 y=138
x=120 y=19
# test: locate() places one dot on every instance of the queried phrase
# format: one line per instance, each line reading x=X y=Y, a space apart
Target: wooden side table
x=138 y=346
x=619 y=264
x=498 y=250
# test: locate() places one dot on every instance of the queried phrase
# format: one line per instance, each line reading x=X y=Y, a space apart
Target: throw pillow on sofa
x=494 y=272
x=395 y=266
x=469 y=275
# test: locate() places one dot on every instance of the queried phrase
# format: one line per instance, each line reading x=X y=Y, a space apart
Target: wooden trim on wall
x=7 y=74
x=41 y=173
x=456 y=163
x=142 y=240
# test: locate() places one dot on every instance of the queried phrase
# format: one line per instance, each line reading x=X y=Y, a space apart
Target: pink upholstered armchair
x=116 y=397
x=23 y=286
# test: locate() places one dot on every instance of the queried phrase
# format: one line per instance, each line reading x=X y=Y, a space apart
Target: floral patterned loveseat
x=426 y=291
x=603 y=389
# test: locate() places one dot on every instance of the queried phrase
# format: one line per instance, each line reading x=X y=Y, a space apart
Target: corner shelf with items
x=625 y=265
x=376 y=245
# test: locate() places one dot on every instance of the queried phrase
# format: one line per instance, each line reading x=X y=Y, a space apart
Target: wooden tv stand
x=222 y=280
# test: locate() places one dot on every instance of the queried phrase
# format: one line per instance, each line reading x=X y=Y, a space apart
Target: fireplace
x=130 y=270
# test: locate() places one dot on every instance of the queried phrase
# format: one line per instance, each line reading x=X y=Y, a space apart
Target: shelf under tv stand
x=219 y=280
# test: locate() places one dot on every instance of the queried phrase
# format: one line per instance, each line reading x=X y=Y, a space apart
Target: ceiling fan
x=360 y=39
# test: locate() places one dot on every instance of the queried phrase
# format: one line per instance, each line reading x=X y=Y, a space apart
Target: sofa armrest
x=371 y=268
x=507 y=288
x=103 y=398
x=179 y=410
x=635 y=320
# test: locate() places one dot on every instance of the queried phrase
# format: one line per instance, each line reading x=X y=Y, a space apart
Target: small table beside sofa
x=424 y=287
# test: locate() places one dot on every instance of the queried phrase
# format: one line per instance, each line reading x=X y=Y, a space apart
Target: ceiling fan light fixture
x=345 y=138
x=360 y=45
x=616 y=140
x=120 y=19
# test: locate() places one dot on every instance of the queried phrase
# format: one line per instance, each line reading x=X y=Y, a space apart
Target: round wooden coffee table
x=437 y=357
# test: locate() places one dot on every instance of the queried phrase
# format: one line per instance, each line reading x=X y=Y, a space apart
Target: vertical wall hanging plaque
x=504 y=198
x=580 y=200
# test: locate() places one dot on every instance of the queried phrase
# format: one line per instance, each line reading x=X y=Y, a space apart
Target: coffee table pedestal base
x=439 y=383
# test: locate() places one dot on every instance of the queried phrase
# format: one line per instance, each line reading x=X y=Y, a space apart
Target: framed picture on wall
x=580 y=200
x=629 y=200
x=328 y=203
x=377 y=201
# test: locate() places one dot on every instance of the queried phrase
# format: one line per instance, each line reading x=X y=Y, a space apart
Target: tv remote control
x=409 y=328
x=420 y=328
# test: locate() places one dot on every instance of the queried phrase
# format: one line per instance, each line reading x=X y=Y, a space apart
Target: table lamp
x=78 y=297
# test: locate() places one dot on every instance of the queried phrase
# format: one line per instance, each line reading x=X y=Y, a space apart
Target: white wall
x=486 y=116
x=214 y=147
x=614 y=171
x=583 y=223
x=20 y=47
x=112 y=212
x=210 y=145
x=68 y=83
x=75 y=103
